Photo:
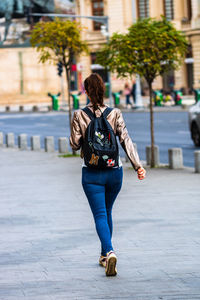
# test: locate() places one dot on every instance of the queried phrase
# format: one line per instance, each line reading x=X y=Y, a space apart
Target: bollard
x=1 y=139
x=49 y=144
x=197 y=161
x=175 y=156
x=62 y=145
x=21 y=108
x=126 y=157
x=10 y=140
x=35 y=143
x=156 y=155
x=22 y=141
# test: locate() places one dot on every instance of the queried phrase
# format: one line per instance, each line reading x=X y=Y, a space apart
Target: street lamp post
x=105 y=32
x=138 y=96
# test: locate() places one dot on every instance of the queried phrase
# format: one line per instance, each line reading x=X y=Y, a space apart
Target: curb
x=175 y=155
x=48 y=108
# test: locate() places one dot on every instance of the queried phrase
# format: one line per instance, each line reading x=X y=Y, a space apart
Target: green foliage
x=149 y=48
x=58 y=40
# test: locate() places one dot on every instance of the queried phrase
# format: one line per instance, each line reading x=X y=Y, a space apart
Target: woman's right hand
x=141 y=173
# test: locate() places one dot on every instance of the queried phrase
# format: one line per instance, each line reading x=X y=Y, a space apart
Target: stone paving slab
x=49 y=249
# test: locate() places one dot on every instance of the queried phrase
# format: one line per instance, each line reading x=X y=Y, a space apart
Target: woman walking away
x=94 y=130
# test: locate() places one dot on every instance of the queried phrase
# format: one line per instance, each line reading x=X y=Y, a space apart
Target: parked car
x=194 y=123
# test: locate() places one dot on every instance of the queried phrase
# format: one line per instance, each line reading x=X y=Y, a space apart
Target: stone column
x=195 y=40
x=156 y=9
x=178 y=10
x=195 y=13
x=180 y=77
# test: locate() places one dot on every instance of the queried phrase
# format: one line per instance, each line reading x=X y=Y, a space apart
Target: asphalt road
x=171 y=130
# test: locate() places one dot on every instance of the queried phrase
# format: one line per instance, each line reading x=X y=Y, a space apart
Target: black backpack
x=100 y=148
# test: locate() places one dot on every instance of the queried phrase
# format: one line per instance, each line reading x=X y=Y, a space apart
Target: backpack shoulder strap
x=107 y=111
x=89 y=113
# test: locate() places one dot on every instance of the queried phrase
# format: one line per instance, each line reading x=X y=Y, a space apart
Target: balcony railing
x=186 y=24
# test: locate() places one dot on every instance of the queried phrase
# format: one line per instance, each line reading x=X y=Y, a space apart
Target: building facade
x=185 y=14
x=24 y=80
x=120 y=18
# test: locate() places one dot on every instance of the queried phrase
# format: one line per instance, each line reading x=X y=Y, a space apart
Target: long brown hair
x=95 y=89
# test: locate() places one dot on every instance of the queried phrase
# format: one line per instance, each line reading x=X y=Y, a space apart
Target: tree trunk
x=69 y=97
x=152 y=126
x=69 y=100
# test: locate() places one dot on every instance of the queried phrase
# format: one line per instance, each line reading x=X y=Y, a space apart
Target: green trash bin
x=197 y=95
x=107 y=88
x=158 y=98
x=76 y=99
x=55 y=101
x=116 y=97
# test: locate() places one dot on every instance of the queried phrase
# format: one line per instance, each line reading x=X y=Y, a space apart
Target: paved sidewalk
x=49 y=249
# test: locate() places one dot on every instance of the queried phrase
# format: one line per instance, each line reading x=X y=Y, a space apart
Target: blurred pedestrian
x=101 y=174
x=127 y=93
x=133 y=91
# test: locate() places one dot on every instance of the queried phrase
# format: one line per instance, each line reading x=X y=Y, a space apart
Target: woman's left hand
x=141 y=173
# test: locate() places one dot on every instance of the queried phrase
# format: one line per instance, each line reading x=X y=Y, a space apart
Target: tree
x=59 y=42
x=149 y=48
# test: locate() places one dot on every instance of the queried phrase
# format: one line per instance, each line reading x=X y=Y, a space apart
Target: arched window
x=169 y=9
x=143 y=9
x=97 y=10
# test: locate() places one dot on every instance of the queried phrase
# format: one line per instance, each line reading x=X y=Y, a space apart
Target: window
x=143 y=9
x=169 y=9
x=189 y=10
x=97 y=10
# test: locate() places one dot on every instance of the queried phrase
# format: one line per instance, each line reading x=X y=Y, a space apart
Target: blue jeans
x=101 y=188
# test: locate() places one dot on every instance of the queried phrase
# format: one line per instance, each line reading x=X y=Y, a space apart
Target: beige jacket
x=81 y=121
